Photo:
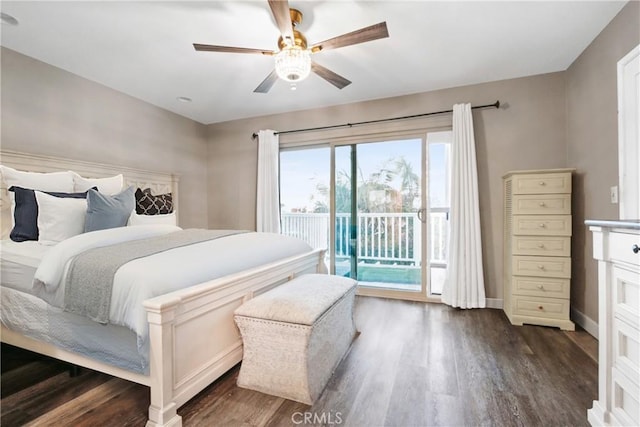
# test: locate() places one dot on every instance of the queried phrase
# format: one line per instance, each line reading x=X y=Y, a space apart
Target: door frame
x=628 y=137
x=424 y=294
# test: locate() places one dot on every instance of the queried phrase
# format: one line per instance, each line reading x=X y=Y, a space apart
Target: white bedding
x=18 y=263
x=148 y=277
x=32 y=317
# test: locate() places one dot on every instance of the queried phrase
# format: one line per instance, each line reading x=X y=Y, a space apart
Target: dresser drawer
x=625 y=407
x=549 y=204
x=549 y=287
x=551 y=308
x=621 y=247
x=542 y=225
x=548 y=183
x=541 y=245
x=626 y=295
x=626 y=348
x=541 y=266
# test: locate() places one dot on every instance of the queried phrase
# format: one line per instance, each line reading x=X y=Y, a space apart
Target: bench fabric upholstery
x=295 y=336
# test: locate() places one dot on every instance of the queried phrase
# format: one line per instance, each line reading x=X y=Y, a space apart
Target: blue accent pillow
x=105 y=211
x=25 y=215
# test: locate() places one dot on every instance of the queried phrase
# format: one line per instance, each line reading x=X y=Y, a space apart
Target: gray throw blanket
x=89 y=280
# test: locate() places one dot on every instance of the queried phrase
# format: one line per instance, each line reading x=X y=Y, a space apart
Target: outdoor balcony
x=387 y=245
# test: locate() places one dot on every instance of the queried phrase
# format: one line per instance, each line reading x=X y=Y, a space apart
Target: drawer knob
x=541 y=245
x=540 y=287
x=542 y=183
x=540 y=308
x=542 y=225
x=635 y=249
x=541 y=267
x=542 y=204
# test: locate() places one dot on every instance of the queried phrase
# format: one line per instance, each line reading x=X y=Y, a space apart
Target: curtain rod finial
x=254 y=135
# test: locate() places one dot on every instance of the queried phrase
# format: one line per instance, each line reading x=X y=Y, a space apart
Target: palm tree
x=381 y=180
x=342 y=194
x=409 y=182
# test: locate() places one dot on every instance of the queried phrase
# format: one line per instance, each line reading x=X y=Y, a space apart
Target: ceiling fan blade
x=333 y=78
x=280 y=11
x=213 y=48
x=366 y=34
x=266 y=84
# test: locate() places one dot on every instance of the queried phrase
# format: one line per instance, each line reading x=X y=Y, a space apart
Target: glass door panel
x=439 y=178
x=304 y=195
x=378 y=193
x=345 y=231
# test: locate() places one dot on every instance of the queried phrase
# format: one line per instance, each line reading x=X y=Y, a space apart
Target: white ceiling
x=144 y=49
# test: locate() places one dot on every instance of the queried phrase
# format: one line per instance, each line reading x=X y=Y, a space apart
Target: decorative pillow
x=168 y=219
x=148 y=204
x=54 y=181
x=112 y=185
x=59 y=218
x=26 y=212
x=105 y=211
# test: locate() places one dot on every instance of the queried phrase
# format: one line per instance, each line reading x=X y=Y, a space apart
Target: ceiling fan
x=293 y=59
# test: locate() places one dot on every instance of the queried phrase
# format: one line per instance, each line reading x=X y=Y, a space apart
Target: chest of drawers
x=537 y=247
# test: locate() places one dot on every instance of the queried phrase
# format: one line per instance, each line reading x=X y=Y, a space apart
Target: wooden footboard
x=193 y=337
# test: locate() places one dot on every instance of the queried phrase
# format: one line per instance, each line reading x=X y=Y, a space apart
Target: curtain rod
x=494 y=105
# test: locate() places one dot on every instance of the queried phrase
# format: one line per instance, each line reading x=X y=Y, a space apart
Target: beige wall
x=527 y=133
x=592 y=143
x=46 y=110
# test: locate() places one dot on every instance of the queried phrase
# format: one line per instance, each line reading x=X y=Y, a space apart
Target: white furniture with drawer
x=616 y=246
x=537 y=247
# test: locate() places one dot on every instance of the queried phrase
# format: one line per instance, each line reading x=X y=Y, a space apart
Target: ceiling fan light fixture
x=293 y=63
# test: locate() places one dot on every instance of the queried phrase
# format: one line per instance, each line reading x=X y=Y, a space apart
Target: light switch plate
x=614 y=194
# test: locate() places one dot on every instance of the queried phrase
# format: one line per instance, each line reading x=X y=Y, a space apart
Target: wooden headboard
x=159 y=182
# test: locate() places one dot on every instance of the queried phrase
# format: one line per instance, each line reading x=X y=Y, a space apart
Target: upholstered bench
x=295 y=335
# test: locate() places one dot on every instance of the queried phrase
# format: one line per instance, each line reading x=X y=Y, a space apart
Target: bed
x=192 y=338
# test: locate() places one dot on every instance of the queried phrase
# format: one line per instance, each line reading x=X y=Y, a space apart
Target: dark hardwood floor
x=412 y=365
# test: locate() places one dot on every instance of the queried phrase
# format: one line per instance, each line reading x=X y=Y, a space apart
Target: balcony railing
x=385 y=238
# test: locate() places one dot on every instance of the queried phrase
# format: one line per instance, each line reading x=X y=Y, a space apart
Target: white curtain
x=464 y=283
x=268 y=194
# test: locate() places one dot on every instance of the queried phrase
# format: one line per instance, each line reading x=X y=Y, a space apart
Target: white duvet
x=158 y=274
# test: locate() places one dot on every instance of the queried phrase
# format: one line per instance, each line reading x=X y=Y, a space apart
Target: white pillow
x=110 y=186
x=59 y=218
x=54 y=181
x=167 y=219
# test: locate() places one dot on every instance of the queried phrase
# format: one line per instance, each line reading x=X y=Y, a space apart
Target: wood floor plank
x=382 y=356
x=584 y=341
x=71 y=412
x=27 y=404
x=412 y=365
x=27 y=375
x=128 y=408
x=230 y=405
x=410 y=390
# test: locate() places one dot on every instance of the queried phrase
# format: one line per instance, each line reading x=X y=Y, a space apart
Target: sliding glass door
x=380 y=208
x=378 y=193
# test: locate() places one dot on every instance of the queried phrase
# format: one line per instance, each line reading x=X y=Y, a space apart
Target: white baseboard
x=494 y=303
x=585 y=322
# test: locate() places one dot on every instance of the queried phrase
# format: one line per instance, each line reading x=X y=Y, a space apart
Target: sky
x=302 y=170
